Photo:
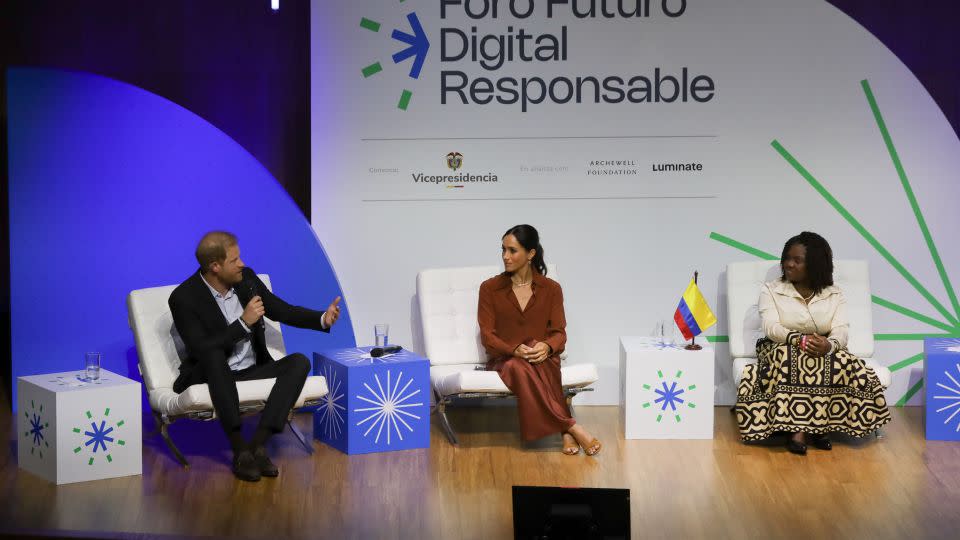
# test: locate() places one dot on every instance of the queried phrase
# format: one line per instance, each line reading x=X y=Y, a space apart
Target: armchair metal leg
x=156 y=427
x=303 y=440
x=570 y=404
x=164 y=424
x=879 y=434
x=445 y=422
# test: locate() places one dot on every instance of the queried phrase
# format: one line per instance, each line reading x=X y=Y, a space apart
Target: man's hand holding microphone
x=253 y=312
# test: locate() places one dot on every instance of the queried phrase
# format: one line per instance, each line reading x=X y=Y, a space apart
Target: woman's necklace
x=518 y=284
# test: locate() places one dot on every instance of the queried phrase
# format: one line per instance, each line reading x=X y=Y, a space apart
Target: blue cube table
x=374 y=404
x=941 y=366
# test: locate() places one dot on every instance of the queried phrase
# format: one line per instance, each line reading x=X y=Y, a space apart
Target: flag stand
x=692 y=346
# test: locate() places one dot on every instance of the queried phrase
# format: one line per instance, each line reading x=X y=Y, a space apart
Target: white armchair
x=448 y=309
x=744 y=280
x=160 y=351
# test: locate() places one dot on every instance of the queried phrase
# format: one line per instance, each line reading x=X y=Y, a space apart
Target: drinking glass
x=380 y=332
x=91 y=366
x=658 y=333
x=676 y=336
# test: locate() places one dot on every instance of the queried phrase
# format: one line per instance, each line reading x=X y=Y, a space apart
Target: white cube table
x=666 y=392
x=69 y=430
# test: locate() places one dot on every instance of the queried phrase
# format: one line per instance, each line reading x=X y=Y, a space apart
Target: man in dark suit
x=217 y=312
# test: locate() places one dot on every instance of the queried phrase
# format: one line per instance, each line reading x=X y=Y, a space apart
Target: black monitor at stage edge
x=542 y=513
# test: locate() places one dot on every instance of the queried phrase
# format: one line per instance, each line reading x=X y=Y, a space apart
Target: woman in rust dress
x=522 y=327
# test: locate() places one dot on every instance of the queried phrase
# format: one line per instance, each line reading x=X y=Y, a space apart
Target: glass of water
x=92 y=366
x=658 y=333
x=676 y=336
x=380 y=332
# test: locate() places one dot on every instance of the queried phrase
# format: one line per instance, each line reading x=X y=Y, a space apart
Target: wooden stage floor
x=900 y=486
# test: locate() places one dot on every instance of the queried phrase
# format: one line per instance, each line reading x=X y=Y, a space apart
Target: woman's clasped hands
x=536 y=354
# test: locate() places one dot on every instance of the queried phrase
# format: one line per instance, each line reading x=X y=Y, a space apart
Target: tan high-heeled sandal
x=572 y=449
x=593 y=448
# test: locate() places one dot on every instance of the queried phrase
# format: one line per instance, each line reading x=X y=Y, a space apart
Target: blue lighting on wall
x=110 y=189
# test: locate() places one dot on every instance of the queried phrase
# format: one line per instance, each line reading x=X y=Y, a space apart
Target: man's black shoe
x=822 y=442
x=264 y=465
x=796 y=447
x=245 y=466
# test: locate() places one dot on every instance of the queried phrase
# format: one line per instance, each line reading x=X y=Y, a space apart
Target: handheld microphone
x=251 y=289
x=377 y=352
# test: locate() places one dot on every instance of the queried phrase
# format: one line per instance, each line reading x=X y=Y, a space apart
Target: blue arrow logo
x=418 y=45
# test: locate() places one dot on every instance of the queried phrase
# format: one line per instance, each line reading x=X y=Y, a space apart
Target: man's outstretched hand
x=332 y=313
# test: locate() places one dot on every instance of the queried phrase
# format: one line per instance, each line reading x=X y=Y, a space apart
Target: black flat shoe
x=245 y=467
x=822 y=442
x=796 y=447
x=265 y=466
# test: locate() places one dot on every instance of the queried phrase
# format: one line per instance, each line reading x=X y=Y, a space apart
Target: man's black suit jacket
x=204 y=329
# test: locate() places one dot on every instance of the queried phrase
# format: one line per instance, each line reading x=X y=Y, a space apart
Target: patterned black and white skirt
x=789 y=390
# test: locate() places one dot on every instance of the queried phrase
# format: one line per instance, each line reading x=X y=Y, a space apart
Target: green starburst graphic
x=950 y=322
x=670 y=393
x=99 y=437
x=416 y=48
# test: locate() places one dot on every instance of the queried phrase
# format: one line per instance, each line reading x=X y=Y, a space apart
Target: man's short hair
x=213 y=248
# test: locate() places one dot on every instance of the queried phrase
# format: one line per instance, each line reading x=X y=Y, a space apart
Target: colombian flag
x=693 y=315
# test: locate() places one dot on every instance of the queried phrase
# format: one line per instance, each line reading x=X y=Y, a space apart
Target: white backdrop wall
x=627 y=243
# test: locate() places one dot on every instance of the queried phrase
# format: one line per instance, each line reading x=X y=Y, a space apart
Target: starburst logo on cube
x=37 y=425
x=669 y=393
x=951 y=397
x=387 y=414
x=99 y=438
x=331 y=407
